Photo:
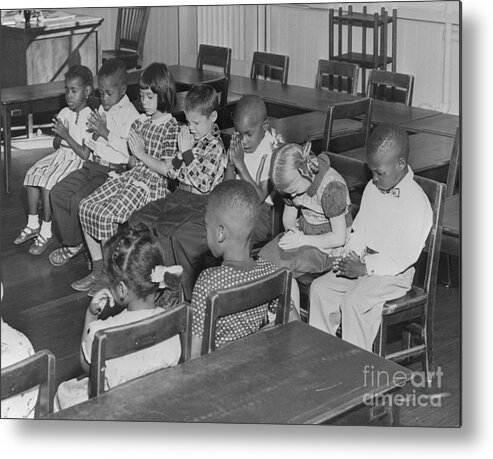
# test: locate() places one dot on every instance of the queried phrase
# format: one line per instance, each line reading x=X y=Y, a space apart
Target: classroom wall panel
x=427 y=44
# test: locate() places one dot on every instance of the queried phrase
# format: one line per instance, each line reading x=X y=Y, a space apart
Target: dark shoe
x=85 y=284
x=26 y=234
x=40 y=244
x=104 y=282
x=63 y=255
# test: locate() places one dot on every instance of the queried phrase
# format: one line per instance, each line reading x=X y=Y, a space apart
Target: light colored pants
x=357 y=302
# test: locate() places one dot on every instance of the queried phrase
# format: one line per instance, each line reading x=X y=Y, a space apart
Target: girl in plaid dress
x=152 y=136
x=70 y=131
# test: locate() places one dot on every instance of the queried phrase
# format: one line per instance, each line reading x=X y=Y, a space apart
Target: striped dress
x=54 y=167
x=121 y=195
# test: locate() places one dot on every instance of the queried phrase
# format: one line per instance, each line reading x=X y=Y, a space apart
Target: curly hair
x=131 y=255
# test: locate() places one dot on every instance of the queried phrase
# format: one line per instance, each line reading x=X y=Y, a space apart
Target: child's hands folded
x=97 y=124
x=236 y=151
x=100 y=300
x=292 y=239
x=185 y=139
x=59 y=128
x=349 y=266
x=136 y=145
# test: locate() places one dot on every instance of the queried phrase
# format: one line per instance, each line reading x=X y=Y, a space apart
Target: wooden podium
x=45 y=51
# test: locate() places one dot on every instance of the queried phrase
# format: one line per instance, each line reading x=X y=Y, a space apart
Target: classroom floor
x=39 y=301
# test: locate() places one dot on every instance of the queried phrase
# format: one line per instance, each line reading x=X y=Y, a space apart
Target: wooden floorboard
x=40 y=302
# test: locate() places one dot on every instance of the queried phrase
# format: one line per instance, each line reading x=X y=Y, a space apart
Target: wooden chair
x=356 y=174
x=221 y=86
x=337 y=76
x=416 y=309
x=347 y=139
x=271 y=66
x=451 y=214
x=391 y=86
x=125 y=339
x=37 y=370
x=246 y=296
x=131 y=28
x=216 y=56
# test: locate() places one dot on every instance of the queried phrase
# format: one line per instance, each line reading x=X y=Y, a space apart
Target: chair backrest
x=36 y=370
x=337 y=76
x=125 y=339
x=347 y=139
x=216 y=56
x=454 y=165
x=246 y=296
x=270 y=66
x=131 y=30
x=435 y=191
x=390 y=86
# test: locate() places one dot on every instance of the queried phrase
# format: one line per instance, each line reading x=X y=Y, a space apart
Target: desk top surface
x=442 y=123
x=290 y=374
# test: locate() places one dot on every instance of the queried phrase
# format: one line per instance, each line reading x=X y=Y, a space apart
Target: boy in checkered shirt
x=198 y=166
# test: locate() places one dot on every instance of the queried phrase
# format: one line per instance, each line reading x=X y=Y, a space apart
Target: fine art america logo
x=378 y=379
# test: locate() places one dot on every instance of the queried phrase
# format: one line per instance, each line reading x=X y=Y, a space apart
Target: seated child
x=109 y=126
x=70 y=127
x=153 y=140
x=136 y=271
x=16 y=347
x=388 y=236
x=231 y=215
x=198 y=165
x=250 y=154
x=312 y=187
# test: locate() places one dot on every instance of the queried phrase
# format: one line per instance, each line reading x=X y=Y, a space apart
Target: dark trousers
x=179 y=222
x=66 y=195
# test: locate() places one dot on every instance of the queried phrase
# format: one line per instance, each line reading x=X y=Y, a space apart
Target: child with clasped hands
x=388 y=235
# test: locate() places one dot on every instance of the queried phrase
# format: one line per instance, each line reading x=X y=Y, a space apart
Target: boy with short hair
x=110 y=125
x=198 y=165
x=231 y=215
x=388 y=235
x=249 y=156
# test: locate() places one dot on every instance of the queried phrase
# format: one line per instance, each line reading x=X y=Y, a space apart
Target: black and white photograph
x=234 y=214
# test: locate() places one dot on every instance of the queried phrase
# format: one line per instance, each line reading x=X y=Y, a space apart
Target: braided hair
x=131 y=255
x=291 y=159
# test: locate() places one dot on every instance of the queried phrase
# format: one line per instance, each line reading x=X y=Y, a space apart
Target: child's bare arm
x=289 y=216
x=196 y=347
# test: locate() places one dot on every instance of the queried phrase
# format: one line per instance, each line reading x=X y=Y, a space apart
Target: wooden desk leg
x=7 y=145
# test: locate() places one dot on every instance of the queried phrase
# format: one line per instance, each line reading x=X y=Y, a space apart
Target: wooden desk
x=451 y=226
x=426 y=151
x=293 y=374
x=43 y=53
x=395 y=113
x=443 y=124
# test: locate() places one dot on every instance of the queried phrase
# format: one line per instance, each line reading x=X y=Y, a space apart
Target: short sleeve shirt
x=234 y=326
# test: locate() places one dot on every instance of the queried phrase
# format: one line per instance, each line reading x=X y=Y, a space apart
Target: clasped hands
x=349 y=266
x=185 y=141
x=236 y=151
x=292 y=239
x=99 y=301
x=97 y=125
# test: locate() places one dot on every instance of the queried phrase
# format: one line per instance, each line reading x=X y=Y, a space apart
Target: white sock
x=33 y=221
x=45 y=229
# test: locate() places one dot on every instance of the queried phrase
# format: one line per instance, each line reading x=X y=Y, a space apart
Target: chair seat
x=128 y=57
x=415 y=297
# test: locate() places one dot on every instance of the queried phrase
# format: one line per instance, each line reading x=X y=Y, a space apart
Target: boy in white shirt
x=249 y=156
x=388 y=235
